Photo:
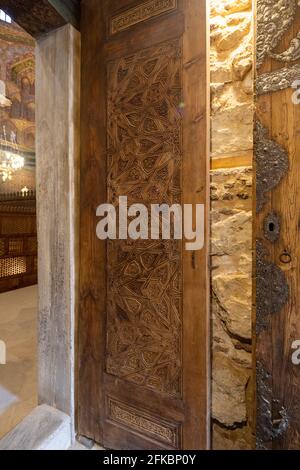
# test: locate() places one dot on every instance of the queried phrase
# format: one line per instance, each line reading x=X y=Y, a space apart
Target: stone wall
x=231 y=221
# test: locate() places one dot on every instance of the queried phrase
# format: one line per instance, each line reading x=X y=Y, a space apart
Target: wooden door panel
x=144 y=279
x=276 y=228
x=143 y=321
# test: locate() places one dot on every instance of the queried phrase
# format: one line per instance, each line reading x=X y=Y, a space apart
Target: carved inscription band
x=141 y=422
x=141 y=13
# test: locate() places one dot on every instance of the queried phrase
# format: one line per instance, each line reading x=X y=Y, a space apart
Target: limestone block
x=224 y=343
x=234 y=292
x=232 y=233
x=235 y=29
x=226 y=7
x=232 y=439
x=232 y=129
x=242 y=62
x=229 y=391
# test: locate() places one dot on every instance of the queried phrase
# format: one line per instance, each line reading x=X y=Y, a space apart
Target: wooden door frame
x=57 y=181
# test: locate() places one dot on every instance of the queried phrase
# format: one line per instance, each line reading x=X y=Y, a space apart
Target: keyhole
x=271 y=227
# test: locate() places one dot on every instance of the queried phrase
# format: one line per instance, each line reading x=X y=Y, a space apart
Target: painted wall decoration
x=17 y=100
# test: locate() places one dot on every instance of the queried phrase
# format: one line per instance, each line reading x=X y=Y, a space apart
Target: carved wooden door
x=143 y=321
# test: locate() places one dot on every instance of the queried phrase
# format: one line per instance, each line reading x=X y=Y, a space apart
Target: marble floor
x=18 y=378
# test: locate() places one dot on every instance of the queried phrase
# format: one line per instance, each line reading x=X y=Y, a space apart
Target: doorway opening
x=18 y=226
x=57 y=143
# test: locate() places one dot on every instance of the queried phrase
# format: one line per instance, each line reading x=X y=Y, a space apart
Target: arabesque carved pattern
x=145 y=164
x=272 y=164
x=277 y=79
x=272 y=289
x=274 y=18
x=291 y=54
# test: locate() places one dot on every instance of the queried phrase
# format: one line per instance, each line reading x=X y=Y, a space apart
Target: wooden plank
x=196 y=324
x=39 y=17
x=277 y=229
x=57 y=97
x=232 y=161
x=92 y=252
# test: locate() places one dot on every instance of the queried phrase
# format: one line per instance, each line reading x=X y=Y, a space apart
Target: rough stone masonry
x=232 y=108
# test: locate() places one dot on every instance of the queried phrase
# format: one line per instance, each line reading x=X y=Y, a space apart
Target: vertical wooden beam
x=195 y=263
x=57 y=97
x=92 y=252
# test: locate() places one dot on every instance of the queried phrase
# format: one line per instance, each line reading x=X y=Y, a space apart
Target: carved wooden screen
x=18 y=242
x=143 y=361
x=277 y=144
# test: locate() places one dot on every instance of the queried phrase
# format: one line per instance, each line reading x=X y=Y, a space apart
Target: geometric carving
x=272 y=164
x=142 y=422
x=144 y=282
x=135 y=15
x=272 y=289
x=274 y=18
x=12 y=267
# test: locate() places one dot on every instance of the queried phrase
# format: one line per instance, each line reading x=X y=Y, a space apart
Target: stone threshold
x=44 y=429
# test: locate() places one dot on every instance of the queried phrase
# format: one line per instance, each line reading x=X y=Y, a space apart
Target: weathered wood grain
x=57 y=148
x=91 y=320
x=278 y=304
